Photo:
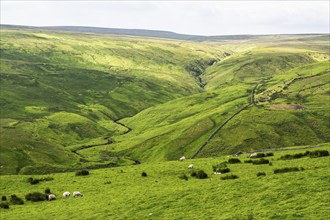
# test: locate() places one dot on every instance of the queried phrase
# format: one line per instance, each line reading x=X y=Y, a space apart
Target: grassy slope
x=180 y=127
x=263 y=127
x=162 y=195
x=63 y=90
x=87 y=81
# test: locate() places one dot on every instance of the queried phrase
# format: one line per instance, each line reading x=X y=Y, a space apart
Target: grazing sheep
x=253 y=155
x=182 y=158
x=75 y=194
x=66 y=194
x=190 y=166
x=51 y=197
x=217 y=173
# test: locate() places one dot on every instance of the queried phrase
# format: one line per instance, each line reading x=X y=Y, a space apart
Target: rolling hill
x=72 y=100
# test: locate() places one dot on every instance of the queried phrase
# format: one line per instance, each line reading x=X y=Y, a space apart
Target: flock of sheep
x=65 y=195
x=184 y=158
x=77 y=194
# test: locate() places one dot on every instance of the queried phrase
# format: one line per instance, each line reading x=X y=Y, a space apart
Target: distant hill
x=116 y=31
x=134 y=32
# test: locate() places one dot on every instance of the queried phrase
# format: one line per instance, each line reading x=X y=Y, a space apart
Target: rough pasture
x=121 y=193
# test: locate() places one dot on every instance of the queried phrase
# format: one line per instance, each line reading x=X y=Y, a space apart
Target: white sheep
x=253 y=155
x=51 y=197
x=75 y=194
x=182 y=158
x=66 y=194
x=190 y=166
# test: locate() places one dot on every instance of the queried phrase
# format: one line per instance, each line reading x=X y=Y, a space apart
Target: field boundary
x=251 y=102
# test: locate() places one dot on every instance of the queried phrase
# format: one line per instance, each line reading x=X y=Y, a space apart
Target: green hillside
x=74 y=100
x=122 y=193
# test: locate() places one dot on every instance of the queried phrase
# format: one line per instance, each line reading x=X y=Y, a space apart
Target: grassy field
x=72 y=100
x=122 y=193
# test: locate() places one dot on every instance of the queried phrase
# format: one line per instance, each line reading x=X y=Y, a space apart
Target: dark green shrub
x=292 y=156
x=36 y=197
x=247 y=161
x=260 y=155
x=47 y=191
x=286 y=169
x=260 y=161
x=295 y=156
x=225 y=170
x=3 y=198
x=270 y=154
x=144 y=174
x=234 y=160
x=82 y=173
x=183 y=177
x=16 y=200
x=261 y=174
x=319 y=153
x=228 y=177
x=200 y=174
x=221 y=168
x=34 y=181
x=4 y=205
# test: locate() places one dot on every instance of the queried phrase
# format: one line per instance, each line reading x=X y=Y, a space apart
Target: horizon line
x=159 y=30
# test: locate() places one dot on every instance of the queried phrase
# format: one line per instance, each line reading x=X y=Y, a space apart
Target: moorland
x=106 y=103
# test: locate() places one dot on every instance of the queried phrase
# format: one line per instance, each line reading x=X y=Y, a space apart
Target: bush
x=201 y=174
x=270 y=154
x=228 y=177
x=82 y=173
x=3 y=198
x=313 y=154
x=34 y=181
x=234 y=160
x=287 y=169
x=47 y=191
x=183 y=177
x=4 y=205
x=261 y=161
x=16 y=200
x=261 y=174
x=248 y=161
x=319 y=153
x=294 y=156
x=221 y=168
x=144 y=174
x=36 y=197
x=260 y=155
